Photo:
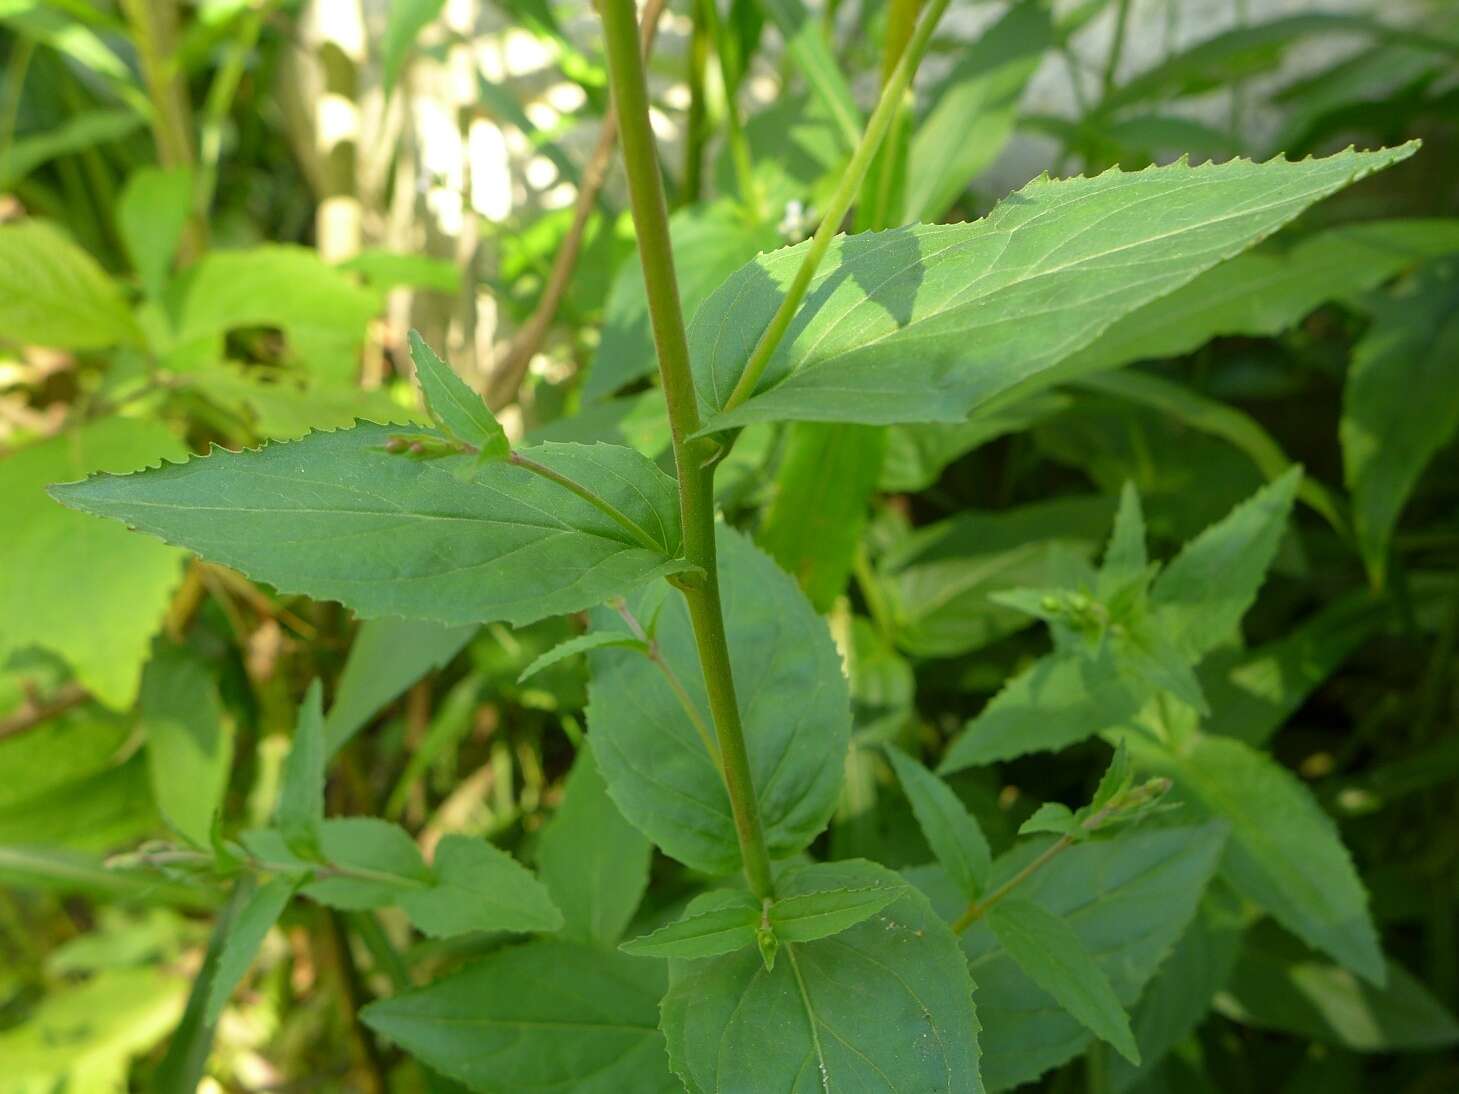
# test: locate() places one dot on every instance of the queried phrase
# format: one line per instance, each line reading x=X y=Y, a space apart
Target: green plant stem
x=366 y=925
x=977 y=908
x=321 y=870
x=351 y=997
x=887 y=108
x=14 y=86
x=696 y=481
x=696 y=135
x=739 y=145
x=1116 y=46
x=221 y=93
x=901 y=24
x=153 y=24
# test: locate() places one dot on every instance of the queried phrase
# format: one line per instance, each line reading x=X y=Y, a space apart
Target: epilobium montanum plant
x=719 y=717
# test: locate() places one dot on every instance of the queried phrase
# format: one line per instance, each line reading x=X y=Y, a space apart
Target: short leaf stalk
x=887 y=108
x=696 y=482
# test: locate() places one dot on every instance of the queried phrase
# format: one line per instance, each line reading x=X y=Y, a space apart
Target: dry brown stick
x=35 y=710
x=507 y=379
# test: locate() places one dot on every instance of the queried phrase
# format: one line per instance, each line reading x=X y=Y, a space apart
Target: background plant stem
x=696 y=482
x=154 y=29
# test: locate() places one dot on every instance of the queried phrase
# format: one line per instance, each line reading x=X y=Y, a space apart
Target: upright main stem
x=696 y=481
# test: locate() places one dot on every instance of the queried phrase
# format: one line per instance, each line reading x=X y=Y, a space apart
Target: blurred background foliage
x=217 y=221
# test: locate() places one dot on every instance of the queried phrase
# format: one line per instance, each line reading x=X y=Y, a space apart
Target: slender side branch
x=887 y=108
x=507 y=378
x=1134 y=797
x=696 y=481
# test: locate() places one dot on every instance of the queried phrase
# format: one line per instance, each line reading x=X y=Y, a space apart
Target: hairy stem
x=887 y=108
x=696 y=481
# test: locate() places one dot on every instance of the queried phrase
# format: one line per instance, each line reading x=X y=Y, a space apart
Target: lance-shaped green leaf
x=806 y=42
x=972 y=117
x=85 y=1031
x=594 y=863
x=1400 y=404
x=1202 y=595
x=183 y=1064
x=460 y=412
x=793 y=703
x=367 y=863
x=719 y=923
x=1179 y=996
x=593 y=640
x=950 y=829
x=1279 y=984
x=388 y=655
x=364 y=862
x=555 y=1017
x=942 y=577
x=1285 y=853
x=407 y=19
x=1231 y=54
x=1051 y=953
x=1058 y=700
x=189 y=741
x=52 y=293
x=883 y=1005
x=321 y=311
x=930 y=322
x=1265 y=292
x=479 y=887
x=337 y=517
x=80 y=587
x=710 y=243
x=1125 y=558
x=78 y=132
x=1127 y=899
x=245 y=934
x=1180 y=404
x=821 y=494
x=300 y=812
x=828 y=905
x=151 y=214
